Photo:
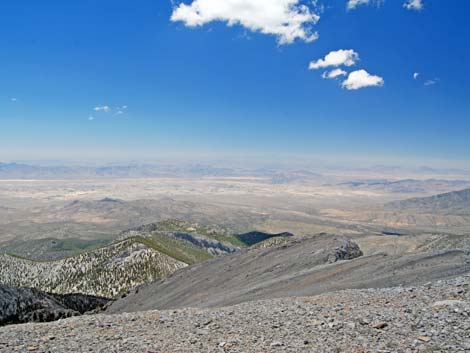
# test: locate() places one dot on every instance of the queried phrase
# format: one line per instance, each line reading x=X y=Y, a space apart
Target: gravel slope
x=430 y=318
x=299 y=268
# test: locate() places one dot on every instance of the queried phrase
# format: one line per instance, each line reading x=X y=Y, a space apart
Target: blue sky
x=173 y=86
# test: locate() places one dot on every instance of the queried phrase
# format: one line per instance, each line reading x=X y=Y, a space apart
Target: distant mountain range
x=27 y=171
x=408 y=185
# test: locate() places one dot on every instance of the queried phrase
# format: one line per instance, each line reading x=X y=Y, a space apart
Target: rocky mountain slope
x=297 y=268
x=103 y=272
x=431 y=318
x=19 y=305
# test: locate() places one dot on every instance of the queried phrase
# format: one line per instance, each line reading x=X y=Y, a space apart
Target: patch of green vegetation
x=52 y=248
x=217 y=232
x=18 y=257
x=78 y=245
x=231 y=239
x=175 y=248
x=175 y=225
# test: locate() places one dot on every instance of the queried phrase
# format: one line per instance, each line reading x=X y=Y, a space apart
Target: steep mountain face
x=454 y=203
x=20 y=305
x=310 y=266
x=104 y=272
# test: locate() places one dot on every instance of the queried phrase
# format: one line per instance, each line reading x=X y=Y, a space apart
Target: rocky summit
x=434 y=317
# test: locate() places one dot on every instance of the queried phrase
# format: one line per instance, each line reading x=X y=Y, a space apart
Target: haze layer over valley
x=56 y=216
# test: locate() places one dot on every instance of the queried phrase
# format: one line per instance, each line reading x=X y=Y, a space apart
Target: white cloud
x=334 y=73
x=104 y=108
x=415 y=75
x=119 y=112
x=352 y=4
x=360 y=79
x=430 y=82
x=288 y=20
x=413 y=5
x=336 y=58
x=91 y=118
x=13 y=99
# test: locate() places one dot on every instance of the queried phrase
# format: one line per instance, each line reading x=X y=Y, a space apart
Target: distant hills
x=407 y=185
x=455 y=203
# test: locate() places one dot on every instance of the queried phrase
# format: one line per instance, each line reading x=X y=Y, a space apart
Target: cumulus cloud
x=416 y=5
x=336 y=58
x=361 y=79
x=415 y=75
x=334 y=73
x=288 y=20
x=104 y=108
